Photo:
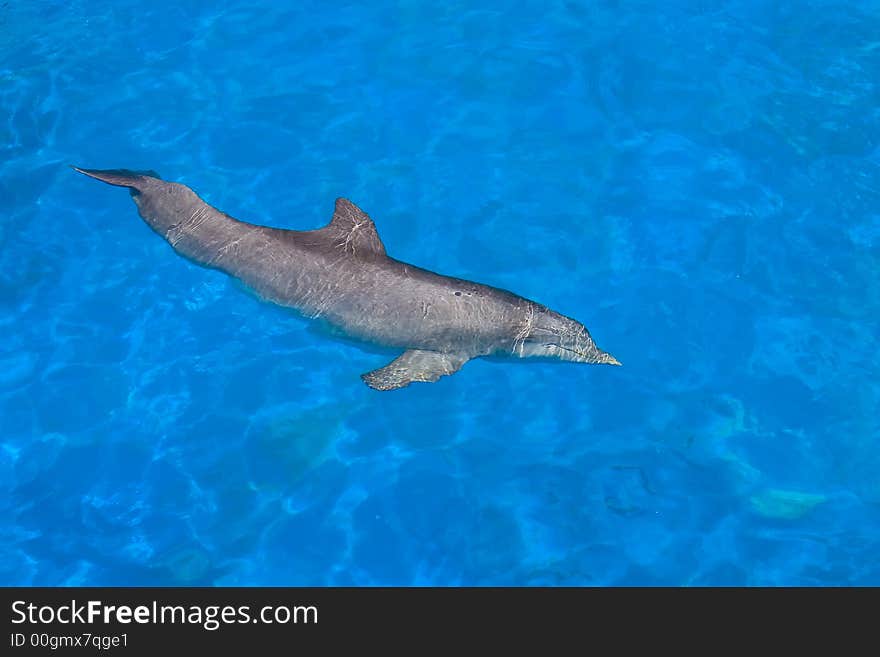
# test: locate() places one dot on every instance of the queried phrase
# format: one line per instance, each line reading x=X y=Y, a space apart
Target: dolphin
x=341 y=274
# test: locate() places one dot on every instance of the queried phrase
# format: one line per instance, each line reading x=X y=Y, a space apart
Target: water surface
x=698 y=183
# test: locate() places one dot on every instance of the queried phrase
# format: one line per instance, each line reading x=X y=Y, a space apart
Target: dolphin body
x=341 y=273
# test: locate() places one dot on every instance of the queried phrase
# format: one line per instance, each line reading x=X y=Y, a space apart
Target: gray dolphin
x=340 y=273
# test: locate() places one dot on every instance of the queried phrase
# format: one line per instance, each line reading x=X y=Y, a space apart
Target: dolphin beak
x=608 y=359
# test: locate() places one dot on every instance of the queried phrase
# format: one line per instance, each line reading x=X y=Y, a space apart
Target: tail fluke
x=119 y=177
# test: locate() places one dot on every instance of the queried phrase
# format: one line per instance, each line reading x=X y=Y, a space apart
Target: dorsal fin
x=353 y=229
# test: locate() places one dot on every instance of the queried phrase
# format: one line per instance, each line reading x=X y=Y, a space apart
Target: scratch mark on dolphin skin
x=349 y=238
x=524 y=331
x=198 y=217
x=178 y=234
x=223 y=249
x=177 y=231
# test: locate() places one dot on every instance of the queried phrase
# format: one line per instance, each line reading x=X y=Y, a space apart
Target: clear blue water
x=698 y=182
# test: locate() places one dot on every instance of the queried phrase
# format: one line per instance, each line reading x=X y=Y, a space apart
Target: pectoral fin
x=414 y=365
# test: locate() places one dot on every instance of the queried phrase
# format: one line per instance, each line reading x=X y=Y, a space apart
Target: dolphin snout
x=605 y=357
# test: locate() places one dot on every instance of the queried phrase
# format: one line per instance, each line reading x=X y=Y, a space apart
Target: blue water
x=698 y=182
